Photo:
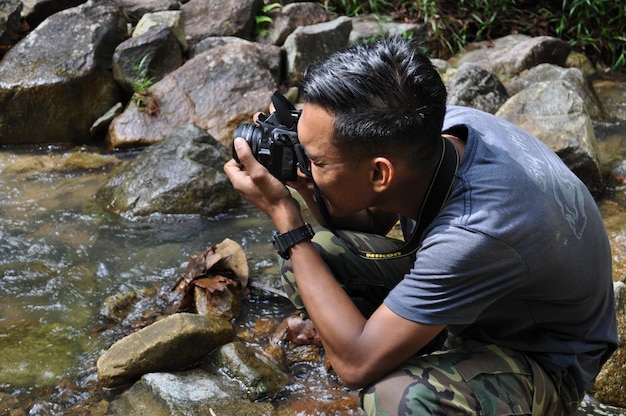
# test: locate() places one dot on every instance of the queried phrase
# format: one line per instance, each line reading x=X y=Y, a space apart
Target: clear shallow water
x=61 y=255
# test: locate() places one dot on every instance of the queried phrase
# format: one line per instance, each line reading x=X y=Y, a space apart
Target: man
x=512 y=259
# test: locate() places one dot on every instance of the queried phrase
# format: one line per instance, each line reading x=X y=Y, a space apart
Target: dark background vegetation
x=596 y=28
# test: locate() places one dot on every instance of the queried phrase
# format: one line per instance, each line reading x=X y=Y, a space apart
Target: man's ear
x=383 y=173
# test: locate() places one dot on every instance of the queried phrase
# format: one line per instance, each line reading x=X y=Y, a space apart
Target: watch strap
x=283 y=242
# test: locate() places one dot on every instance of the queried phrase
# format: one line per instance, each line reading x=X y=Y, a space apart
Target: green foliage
x=142 y=81
x=596 y=28
x=143 y=99
x=263 y=21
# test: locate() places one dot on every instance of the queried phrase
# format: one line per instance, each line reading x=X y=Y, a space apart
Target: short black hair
x=385 y=96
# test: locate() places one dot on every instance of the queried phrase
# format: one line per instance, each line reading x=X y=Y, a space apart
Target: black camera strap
x=436 y=196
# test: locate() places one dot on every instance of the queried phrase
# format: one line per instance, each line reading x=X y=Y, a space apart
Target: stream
x=61 y=255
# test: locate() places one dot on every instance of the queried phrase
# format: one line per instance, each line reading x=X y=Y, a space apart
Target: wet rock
x=142 y=60
x=135 y=10
x=194 y=392
x=215 y=90
x=180 y=175
x=307 y=44
x=289 y=17
x=173 y=343
x=117 y=307
x=258 y=377
x=473 y=86
x=9 y=20
x=513 y=54
x=220 y=18
x=549 y=72
x=60 y=76
x=556 y=115
x=610 y=384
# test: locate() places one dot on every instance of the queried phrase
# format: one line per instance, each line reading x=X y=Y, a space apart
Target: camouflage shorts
x=466 y=377
x=472 y=378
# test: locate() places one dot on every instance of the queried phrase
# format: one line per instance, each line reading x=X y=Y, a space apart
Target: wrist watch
x=283 y=242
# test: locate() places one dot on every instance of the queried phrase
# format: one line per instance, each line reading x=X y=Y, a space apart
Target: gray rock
x=170 y=344
x=146 y=58
x=57 y=81
x=288 y=18
x=204 y=18
x=307 y=44
x=512 y=54
x=194 y=392
x=215 y=90
x=556 y=115
x=180 y=175
x=473 y=86
x=550 y=72
x=259 y=377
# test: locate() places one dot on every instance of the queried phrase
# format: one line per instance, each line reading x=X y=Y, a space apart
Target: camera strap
x=436 y=196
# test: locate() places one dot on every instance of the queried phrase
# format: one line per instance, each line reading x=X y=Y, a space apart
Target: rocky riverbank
x=179 y=78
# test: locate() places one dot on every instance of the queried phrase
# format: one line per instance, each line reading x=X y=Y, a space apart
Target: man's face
x=344 y=183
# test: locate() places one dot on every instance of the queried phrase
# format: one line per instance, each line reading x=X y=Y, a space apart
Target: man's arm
x=360 y=350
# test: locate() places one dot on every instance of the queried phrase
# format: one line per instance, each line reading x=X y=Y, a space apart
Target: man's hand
x=255 y=184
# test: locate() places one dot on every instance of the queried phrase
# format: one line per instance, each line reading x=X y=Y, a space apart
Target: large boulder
x=307 y=44
x=513 y=54
x=554 y=113
x=57 y=81
x=143 y=60
x=218 y=88
x=205 y=18
x=550 y=72
x=180 y=175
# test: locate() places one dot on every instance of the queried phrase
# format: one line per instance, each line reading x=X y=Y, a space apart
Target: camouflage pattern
x=471 y=378
x=366 y=281
x=462 y=377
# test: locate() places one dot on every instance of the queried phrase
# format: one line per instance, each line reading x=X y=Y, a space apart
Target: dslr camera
x=274 y=140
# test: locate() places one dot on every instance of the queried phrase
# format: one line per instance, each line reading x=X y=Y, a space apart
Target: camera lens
x=251 y=134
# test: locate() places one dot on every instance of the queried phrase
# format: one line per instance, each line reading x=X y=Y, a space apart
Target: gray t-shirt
x=518 y=256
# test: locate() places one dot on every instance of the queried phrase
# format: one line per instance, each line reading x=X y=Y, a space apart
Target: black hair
x=385 y=96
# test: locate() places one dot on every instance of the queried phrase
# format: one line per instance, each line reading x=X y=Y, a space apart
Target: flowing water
x=61 y=255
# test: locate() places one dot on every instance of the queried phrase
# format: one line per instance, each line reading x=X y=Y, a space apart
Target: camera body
x=273 y=139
